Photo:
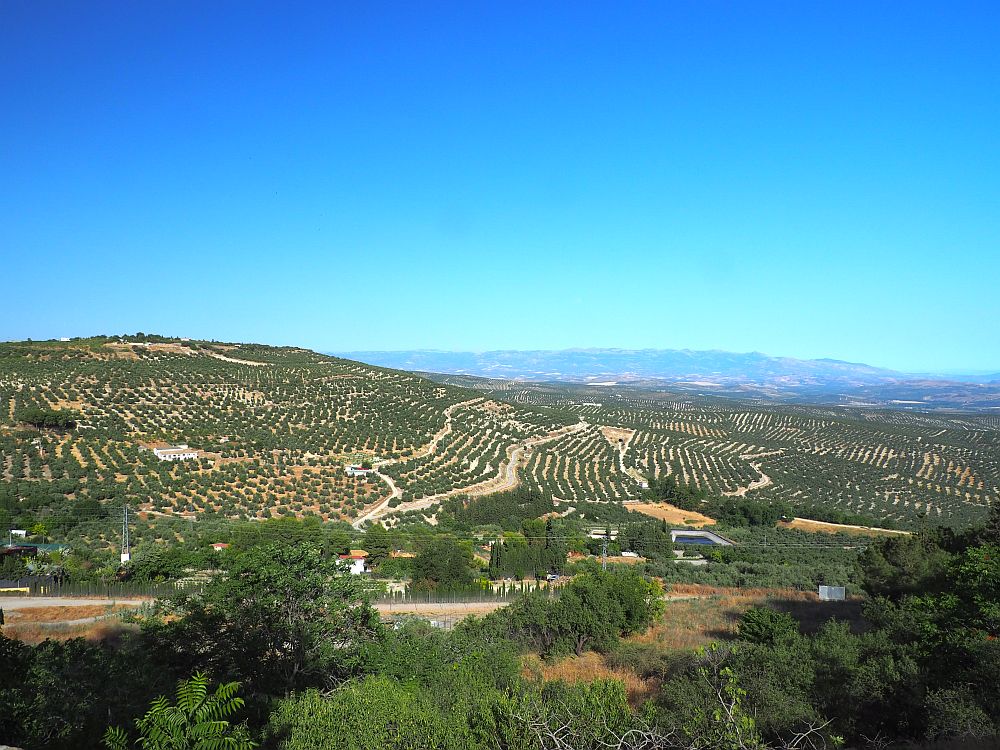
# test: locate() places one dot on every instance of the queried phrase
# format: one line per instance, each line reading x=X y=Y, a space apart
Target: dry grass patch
x=614 y=434
x=587 y=668
x=623 y=560
x=62 y=614
x=712 y=613
x=805 y=524
x=671 y=514
x=34 y=633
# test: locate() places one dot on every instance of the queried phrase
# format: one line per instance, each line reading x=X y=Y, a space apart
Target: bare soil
x=671 y=514
x=805 y=524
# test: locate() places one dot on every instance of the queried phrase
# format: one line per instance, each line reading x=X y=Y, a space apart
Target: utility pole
x=126 y=554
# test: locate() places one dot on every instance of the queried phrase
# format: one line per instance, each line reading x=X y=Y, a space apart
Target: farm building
x=175 y=453
x=601 y=533
x=356 y=470
x=698 y=536
x=358 y=560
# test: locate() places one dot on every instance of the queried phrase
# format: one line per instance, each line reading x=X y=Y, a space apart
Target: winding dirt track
x=377 y=511
x=224 y=358
x=756 y=484
x=506 y=478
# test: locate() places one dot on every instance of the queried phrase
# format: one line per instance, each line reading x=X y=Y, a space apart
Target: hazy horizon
x=943 y=371
x=940 y=372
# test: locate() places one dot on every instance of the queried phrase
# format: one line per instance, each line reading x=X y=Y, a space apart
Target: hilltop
x=274 y=427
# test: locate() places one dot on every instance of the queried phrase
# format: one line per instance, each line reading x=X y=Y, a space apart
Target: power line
x=126 y=553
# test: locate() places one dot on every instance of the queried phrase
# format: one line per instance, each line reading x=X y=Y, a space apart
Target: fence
x=472 y=596
x=44 y=586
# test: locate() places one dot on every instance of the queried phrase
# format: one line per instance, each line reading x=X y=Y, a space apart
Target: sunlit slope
x=901 y=466
x=275 y=426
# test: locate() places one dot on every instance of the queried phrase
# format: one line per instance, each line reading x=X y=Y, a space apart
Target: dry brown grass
x=614 y=434
x=587 y=668
x=622 y=560
x=711 y=614
x=697 y=589
x=34 y=633
x=693 y=623
x=805 y=524
x=671 y=514
x=62 y=614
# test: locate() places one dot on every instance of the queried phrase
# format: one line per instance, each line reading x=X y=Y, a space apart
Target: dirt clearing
x=671 y=514
x=61 y=614
x=805 y=524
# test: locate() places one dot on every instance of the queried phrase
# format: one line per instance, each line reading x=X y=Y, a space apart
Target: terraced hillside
x=274 y=429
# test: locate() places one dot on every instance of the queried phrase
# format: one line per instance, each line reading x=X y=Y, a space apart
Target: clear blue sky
x=802 y=179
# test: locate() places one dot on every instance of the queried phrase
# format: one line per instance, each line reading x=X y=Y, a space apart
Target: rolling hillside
x=887 y=464
x=274 y=428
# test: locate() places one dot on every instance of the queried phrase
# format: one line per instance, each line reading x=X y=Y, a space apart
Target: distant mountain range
x=741 y=375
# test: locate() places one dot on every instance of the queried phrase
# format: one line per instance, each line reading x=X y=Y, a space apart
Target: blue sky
x=802 y=179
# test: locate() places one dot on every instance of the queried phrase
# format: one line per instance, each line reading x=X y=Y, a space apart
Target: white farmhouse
x=175 y=453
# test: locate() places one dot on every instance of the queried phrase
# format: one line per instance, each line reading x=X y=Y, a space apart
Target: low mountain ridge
x=750 y=375
x=583 y=365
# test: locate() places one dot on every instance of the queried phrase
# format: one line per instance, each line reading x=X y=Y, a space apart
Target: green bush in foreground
x=198 y=721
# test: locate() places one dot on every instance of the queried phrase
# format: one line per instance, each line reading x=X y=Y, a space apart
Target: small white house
x=358 y=560
x=356 y=470
x=175 y=453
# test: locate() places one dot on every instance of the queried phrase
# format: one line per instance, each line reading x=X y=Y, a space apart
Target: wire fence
x=44 y=586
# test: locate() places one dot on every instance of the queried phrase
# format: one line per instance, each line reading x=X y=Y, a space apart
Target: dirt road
x=11 y=603
x=377 y=510
x=443 y=609
x=505 y=480
x=458 y=608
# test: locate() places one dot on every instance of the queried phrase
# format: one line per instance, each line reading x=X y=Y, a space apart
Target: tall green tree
x=281 y=618
x=444 y=564
x=377 y=544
